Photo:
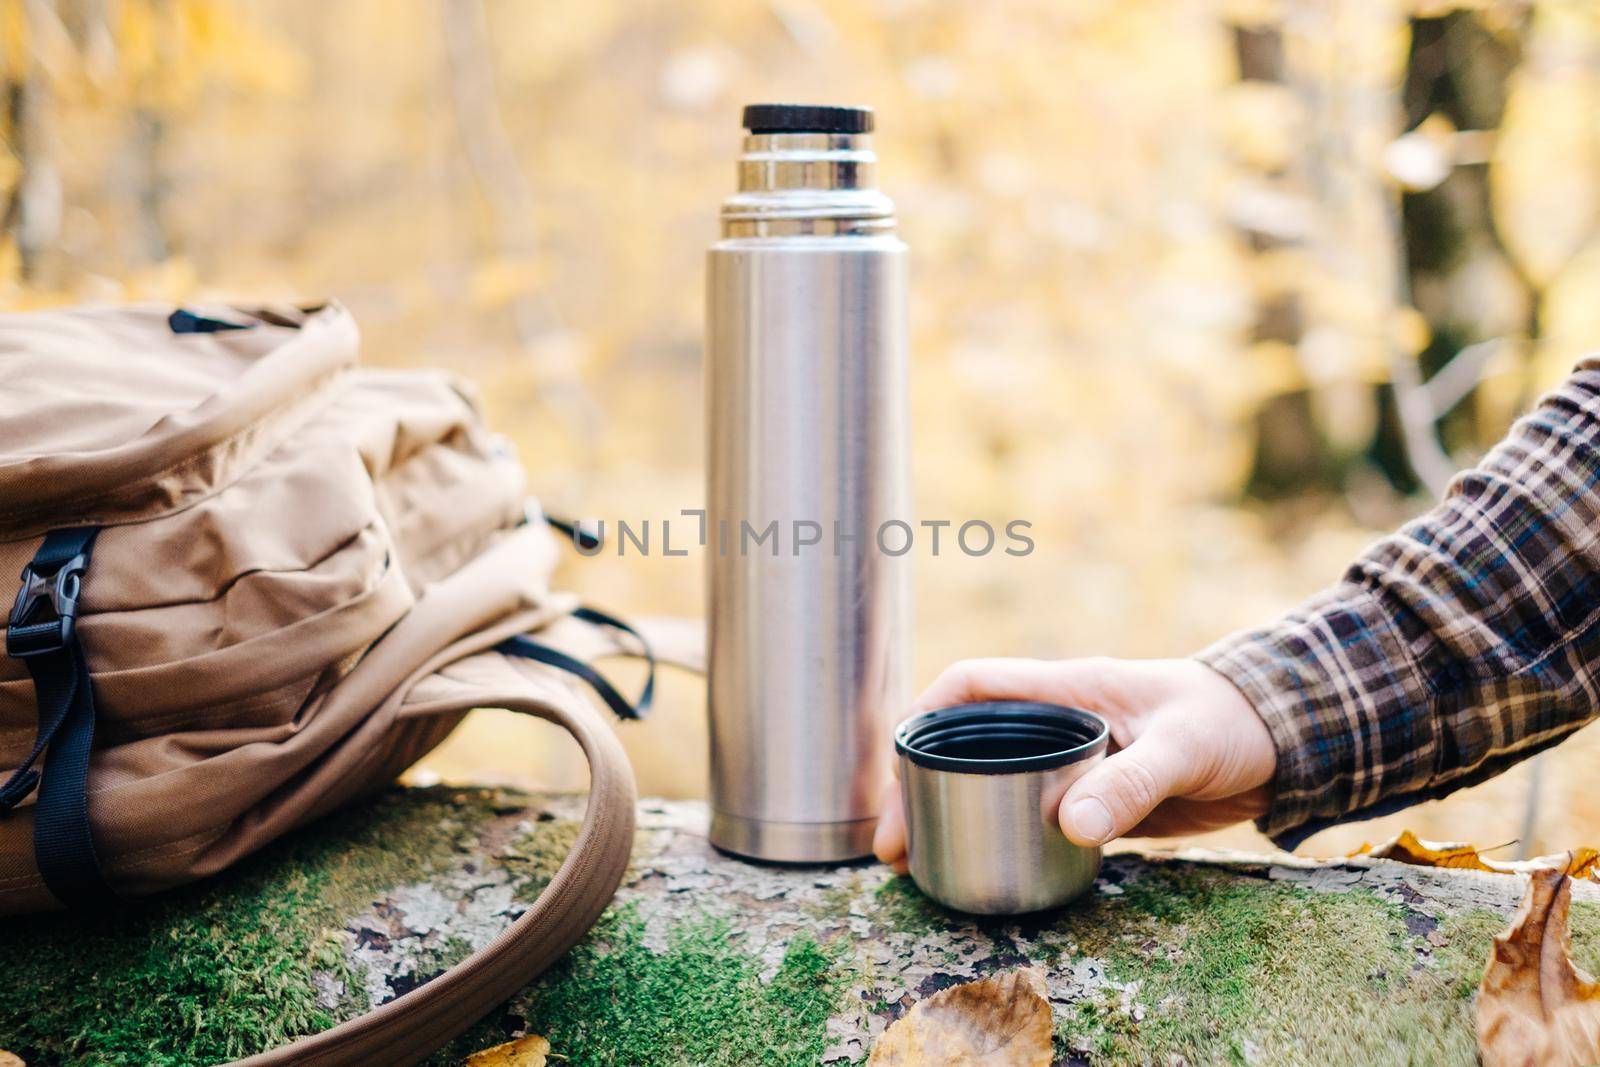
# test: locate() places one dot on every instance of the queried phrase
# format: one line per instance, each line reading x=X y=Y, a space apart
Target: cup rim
x=1002 y=713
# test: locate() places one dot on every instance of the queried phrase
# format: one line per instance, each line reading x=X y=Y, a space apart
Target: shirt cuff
x=1347 y=707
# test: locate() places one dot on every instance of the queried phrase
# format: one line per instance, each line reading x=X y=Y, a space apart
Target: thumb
x=1117 y=793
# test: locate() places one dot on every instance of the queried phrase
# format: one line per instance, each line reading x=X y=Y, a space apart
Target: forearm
x=1458 y=645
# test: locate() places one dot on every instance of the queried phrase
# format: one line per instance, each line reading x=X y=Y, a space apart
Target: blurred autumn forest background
x=1210 y=291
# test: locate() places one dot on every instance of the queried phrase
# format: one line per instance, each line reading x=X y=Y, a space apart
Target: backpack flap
x=112 y=413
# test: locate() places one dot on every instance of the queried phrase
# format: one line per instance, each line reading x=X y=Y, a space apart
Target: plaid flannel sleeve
x=1466 y=641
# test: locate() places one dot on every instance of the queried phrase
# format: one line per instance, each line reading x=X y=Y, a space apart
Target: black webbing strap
x=47 y=642
x=186 y=321
x=528 y=648
x=577 y=531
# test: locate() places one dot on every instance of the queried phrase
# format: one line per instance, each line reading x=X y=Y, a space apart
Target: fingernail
x=1091 y=819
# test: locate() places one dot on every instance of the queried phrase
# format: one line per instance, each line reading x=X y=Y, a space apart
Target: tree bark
x=1170 y=958
x=1134 y=970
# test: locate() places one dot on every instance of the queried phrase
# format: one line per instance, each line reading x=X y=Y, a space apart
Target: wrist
x=1251 y=754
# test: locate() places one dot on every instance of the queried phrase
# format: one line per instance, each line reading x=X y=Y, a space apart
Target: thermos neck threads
x=777 y=162
x=807 y=183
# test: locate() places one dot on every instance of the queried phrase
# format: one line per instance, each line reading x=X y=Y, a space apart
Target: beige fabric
x=291 y=544
x=302 y=570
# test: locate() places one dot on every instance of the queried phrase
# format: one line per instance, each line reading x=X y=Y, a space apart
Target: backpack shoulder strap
x=410 y=1027
x=526 y=647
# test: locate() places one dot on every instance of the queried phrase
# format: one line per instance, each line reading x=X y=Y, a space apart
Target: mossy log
x=706 y=960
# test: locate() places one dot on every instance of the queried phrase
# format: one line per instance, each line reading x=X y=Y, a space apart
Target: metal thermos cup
x=982 y=785
x=805 y=398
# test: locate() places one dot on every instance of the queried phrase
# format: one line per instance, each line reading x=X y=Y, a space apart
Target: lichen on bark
x=1174 y=958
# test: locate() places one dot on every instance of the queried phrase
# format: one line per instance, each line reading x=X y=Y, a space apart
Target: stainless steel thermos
x=806 y=481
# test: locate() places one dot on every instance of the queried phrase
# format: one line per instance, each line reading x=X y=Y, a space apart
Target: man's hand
x=1188 y=752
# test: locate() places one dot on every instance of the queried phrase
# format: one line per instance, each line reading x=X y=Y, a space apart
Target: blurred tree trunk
x=151 y=187
x=511 y=203
x=1288 y=455
x=1476 y=299
x=32 y=217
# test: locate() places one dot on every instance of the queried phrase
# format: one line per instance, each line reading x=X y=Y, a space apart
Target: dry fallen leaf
x=10 y=1059
x=1584 y=863
x=1409 y=848
x=530 y=1051
x=999 y=1021
x=1535 y=1007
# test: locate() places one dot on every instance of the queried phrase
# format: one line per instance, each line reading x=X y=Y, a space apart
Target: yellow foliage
x=1260 y=120
x=1545 y=171
x=1411 y=331
x=169 y=50
x=1501 y=390
x=1253 y=12
x=1571 y=317
x=1127 y=264
x=16 y=43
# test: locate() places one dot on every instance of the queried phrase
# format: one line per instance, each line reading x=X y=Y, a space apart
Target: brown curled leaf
x=1000 y=1021
x=1535 y=1007
x=1407 y=847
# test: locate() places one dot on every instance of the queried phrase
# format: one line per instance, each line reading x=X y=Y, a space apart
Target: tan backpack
x=258 y=581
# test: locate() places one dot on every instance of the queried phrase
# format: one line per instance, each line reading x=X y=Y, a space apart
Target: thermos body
x=805 y=398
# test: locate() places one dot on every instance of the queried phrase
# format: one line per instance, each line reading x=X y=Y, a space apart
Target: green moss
x=1584 y=922
x=223 y=968
x=1222 y=967
x=901 y=907
x=835 y=901
x=1468 y=935
x=539 y=853
x=615 y=1000
x=1231 y=970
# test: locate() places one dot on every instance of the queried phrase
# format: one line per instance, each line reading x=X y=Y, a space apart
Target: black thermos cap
x=806 y=118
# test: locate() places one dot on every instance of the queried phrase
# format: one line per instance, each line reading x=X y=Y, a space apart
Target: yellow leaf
x=10 y=1059
x=999 y=1021
x=530 y=1051
x=1407 y=847
x=1535 y=1007
x=1584 y=863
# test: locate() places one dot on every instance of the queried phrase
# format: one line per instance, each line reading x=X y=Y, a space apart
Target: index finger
x=1077 y=682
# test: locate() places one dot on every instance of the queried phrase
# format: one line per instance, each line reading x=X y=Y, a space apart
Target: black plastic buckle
x=25 y=637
